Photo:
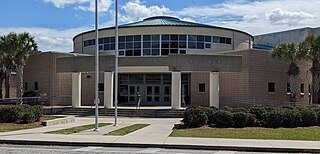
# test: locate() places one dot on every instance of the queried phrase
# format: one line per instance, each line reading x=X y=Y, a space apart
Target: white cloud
x=257 y=17
x=49 y=39
x=279 y=16
x=136 y=10
x=85 y=5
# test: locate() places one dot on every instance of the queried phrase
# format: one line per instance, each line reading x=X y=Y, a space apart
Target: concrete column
x=214 y=89
x=176 y=90
x=76 y=89
x=108 y=89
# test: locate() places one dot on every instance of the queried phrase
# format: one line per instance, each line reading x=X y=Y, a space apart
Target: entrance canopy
x=185 y=63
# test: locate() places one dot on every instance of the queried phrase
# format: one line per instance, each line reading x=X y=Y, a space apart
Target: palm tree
x=26 y=46
x=289 y=53
x=8 y=47
x=311 y=51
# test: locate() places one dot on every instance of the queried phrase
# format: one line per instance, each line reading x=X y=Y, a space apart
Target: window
x=101 y=87
x=26 y=86
x=89 y=42
x=170 y=44
x=288 y=88
x=151 y=45
x=36 y=86
x=199 y=42
x=302 y=88
x=202 y=87
x=271 y=87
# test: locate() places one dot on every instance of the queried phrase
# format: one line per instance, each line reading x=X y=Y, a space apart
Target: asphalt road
x=34 y=149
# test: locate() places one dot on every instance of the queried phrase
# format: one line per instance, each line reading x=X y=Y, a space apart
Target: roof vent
x=162 y=17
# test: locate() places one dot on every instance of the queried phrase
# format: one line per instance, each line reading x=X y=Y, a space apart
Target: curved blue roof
x=164 y=21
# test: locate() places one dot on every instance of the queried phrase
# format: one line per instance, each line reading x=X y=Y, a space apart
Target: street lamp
x=96 y=100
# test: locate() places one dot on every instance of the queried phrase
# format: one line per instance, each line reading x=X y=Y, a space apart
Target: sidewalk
x=155 y=135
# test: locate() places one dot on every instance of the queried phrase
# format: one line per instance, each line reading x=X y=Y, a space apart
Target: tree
x=8 y=47
x=26 y=46
x=311 y=51
x=289 y=53
x=15 y=49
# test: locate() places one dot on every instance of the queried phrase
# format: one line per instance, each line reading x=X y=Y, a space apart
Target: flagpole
x=96 y=100
x=116 y=67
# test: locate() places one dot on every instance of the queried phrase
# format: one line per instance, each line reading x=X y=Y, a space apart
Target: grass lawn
x=6 y=127
x=128 y=129
x=77 y=129
x=47 y=117
x=311 y=133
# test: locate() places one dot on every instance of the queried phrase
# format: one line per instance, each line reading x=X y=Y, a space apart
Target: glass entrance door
x=133 y=91
x=153 y=93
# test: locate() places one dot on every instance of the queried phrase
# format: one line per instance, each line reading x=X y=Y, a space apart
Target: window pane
x=271 y=87
x=182 y=37
x=165 y=37
x=112 y=39
x=155 y=37
x=202 y=88
x=100 y=40
x=192 y=45
x=106 y=47
x=122 y=39
x=137 y=52
x=200 y=45
x=174 y=37
x=129 y=38
x=182 y=44
x=121 y=53
x=208 y=46
x=146 y=44
x=129 y=45
x=122 y=45
x=200 y=38
x=183 y=51
x=100 y=47
x=112 y=46
x=164 y=51
x=222 y=40
x=107 y=40
x=164 y=44
x=173 y=44
x=174 y=51
x=129 y=53
x=156 y=90
x=146 y=51
x=216 y=39
x=228 y=40
x=192 y=38
x=155 y=45
x=137 y=45
x=137 y=38
x=207 y=39
x=155 y=52
x=146 y=37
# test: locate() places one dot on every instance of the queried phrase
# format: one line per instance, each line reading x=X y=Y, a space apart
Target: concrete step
x=152 y=113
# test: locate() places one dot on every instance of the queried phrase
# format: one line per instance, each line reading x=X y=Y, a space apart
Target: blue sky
x=55 y=22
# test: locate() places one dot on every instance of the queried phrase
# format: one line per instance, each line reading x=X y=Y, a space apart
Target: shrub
x=318 y=117
x=212 y=119
x=251 y=120
x=20 y=113
x=291 y=118
x=260 y=113
x=273 y=119
x=195 y=117
x=223 y=119
x=240 y=119
x=308 y=117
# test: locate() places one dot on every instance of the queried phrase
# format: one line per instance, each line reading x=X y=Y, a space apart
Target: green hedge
x=255 y=116
x=20 y=113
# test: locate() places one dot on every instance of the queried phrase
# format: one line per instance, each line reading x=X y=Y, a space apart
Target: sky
x=54 y=23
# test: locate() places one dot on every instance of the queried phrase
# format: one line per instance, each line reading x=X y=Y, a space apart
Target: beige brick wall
x=41 y=68
x=251 y=85
x=196 y=98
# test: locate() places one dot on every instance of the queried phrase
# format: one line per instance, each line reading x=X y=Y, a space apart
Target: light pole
x=96 y=100
x=116 y=67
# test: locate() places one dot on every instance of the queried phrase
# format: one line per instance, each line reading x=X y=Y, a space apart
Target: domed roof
x=162 y=21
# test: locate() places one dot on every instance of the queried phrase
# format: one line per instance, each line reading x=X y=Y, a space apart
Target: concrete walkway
x=154 y=135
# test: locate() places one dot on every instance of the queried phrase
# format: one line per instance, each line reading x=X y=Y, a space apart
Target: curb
x=166 y=146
